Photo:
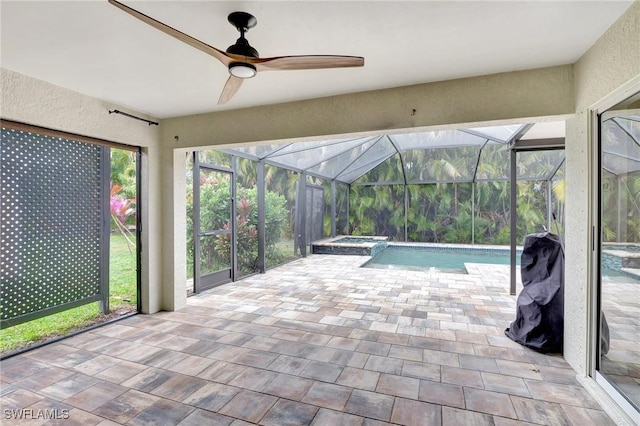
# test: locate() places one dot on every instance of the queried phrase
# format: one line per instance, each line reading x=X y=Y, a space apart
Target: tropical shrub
x=215 y=210
x=122 y=202
x=443 y=212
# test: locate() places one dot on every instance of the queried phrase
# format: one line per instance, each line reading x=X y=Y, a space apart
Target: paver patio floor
x=318 y=341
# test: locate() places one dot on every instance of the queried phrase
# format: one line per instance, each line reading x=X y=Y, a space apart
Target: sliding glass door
x=617 y=348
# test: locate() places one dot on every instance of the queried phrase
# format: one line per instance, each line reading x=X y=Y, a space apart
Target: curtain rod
x=115 y=111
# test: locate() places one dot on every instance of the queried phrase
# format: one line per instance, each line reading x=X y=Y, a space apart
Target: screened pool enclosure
x=448 y=186
x=620 y=164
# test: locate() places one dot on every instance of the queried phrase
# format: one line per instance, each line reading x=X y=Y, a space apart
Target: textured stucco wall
x=39 y=103
x=174 y=214
x=577 y=237
x=151 y=261
x=507 y=96
x=611 y=62
x=27 y=100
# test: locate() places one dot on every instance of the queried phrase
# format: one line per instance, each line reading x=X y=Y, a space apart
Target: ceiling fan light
x=242 y=70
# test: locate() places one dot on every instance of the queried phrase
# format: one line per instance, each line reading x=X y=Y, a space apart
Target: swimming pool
x=437 y=259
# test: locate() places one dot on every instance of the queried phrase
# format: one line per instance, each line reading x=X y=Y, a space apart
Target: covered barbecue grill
x=539 y=322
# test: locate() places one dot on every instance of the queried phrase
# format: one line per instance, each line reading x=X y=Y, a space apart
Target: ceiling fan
x=241 y=59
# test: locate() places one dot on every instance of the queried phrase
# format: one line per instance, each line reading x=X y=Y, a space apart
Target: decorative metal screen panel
x=53 y=221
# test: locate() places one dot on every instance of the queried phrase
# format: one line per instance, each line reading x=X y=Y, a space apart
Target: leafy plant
x=215 y=213
x=442 y=212
x=122 y=202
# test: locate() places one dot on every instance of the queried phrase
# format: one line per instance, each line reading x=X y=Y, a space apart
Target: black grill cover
x=539 y=322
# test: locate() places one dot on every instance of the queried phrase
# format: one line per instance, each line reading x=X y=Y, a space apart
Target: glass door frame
x=223 y=276
x=593 y=357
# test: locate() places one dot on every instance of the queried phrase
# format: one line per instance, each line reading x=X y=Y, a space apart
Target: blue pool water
x=427 y=258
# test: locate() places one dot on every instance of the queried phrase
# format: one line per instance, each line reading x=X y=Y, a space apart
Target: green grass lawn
x=122 y=299
x=122 y=273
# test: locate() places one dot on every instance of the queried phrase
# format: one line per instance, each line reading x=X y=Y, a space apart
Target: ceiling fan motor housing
x=243 y=48
x=243 y=21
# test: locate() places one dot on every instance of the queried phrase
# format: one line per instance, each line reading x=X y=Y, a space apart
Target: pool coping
x=368 y=248
x=454 y=246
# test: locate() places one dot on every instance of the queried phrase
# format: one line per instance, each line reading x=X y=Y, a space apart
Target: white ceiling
x=94 y=48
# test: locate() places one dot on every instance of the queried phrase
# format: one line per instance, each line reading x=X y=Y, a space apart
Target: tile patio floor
x=318 y=341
